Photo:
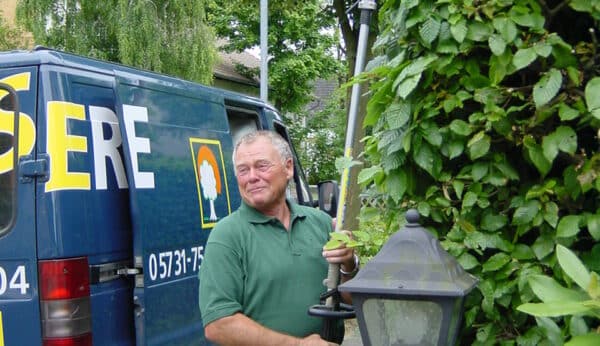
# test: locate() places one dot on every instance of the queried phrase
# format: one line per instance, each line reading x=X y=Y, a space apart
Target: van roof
x=45 y=56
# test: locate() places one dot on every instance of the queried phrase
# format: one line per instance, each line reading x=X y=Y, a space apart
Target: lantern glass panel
x=402 y=322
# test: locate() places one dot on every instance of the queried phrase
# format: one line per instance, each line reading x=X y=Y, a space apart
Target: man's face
x=262 y=177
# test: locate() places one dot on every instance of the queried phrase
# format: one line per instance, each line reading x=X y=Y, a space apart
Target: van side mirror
x=328 y=196
x=9 y=104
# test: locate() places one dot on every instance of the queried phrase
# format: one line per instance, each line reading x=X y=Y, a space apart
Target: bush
x=484 y=115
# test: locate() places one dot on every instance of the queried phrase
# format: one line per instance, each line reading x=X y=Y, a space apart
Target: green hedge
x=484 y=115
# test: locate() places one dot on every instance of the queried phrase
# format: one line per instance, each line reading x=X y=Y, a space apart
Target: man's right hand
x=315 y=340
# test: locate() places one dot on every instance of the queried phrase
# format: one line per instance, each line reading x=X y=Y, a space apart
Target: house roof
x=323 y=90
x=226 y=66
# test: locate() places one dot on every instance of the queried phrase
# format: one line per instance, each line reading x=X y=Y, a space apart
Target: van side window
x=7 y=178
x=298 y=190
x=241 y=121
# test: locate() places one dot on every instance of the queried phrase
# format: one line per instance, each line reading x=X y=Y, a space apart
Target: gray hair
x=280 y=144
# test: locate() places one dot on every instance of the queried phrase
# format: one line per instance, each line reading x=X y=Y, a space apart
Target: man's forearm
x=238 y=329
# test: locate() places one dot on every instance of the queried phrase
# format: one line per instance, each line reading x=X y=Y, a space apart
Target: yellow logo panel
x=211 y=180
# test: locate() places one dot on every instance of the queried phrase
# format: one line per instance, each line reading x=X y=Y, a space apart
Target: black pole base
x=332 y=328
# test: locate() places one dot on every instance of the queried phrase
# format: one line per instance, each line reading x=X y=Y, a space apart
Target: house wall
x=8 y=11
x=251 y=90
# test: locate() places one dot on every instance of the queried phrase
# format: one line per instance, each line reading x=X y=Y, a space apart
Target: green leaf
x=424 y=209
x=479 y=145
x=522 y=252
x=525 y=214
x=563 y=139
x=469 y=200
x=498 y=70
x=593 y=225
x=342 y=163
x=414 y=68
x=493 y=222
x=333 y=244
x=495 y=262
x=479 y=170
x=506 y=27
x=428 y=159
x=547 y=87
x=538 y=158
x=581 y=5
x=551 y=330
x=578 y=326
x=543 y=246
x=497 y=44
x=542 y=49
x=458 y=187
x=430 y=30
x=339 y=236
x=460 y=127
x=459 y=30
x=478 y=31
x=573 y=266
x=467 y=261
x=369 y=174
x=531 y=20
x=408 y=85
x=567 y=113
x=590 y=339
x=524 y=57
x=553 y=309
x=594 y=288
x=551 y=214
x=398 y=114
x=507 y=170
x=466 y=225
x=453 y=149
x=574 y=76
x=568 y=226
x=396 y=184
x=548 y=290
x=431 y=133
x=592 y=96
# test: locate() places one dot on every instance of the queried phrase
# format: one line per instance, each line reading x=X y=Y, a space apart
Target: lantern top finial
x=412 y=218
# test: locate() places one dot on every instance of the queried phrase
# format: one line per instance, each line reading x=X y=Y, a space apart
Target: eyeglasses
x=260 y=166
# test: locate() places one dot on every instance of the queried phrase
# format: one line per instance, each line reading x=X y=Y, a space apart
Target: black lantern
x=412 y=292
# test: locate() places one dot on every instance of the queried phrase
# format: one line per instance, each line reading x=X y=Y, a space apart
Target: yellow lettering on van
x=1 y=331
x=60 y=143
x=19 y=82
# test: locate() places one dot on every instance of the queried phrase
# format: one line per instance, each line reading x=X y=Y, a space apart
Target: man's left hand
x=342 y=255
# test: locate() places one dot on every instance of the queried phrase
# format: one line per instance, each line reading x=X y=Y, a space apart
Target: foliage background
x=319 y=139
x=301 y=43
x=10 y=37
x=484 y=115
x=165 y=36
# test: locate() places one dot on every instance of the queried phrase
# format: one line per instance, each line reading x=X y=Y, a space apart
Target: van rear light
x=74 y=341
x=65 y=302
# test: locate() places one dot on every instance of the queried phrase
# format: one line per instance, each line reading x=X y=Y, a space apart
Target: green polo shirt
x=254 y=266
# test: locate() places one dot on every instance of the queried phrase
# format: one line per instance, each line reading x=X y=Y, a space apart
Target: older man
x=264 y=264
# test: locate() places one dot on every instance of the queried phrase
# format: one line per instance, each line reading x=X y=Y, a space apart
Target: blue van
x=110 y=181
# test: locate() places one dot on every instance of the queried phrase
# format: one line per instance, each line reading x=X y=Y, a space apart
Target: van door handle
x=128 y=271
x=30 y=169
x=111 y=271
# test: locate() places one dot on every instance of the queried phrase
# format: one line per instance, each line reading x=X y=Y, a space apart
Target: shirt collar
x=254 y=216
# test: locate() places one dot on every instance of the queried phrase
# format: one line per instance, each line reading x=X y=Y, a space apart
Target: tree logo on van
x=211 y=180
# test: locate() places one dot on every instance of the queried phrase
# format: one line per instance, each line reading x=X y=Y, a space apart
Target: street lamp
x=412 y=292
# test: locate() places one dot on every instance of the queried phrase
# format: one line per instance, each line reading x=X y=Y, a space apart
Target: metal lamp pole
x=264 y=51
x=331 y=311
